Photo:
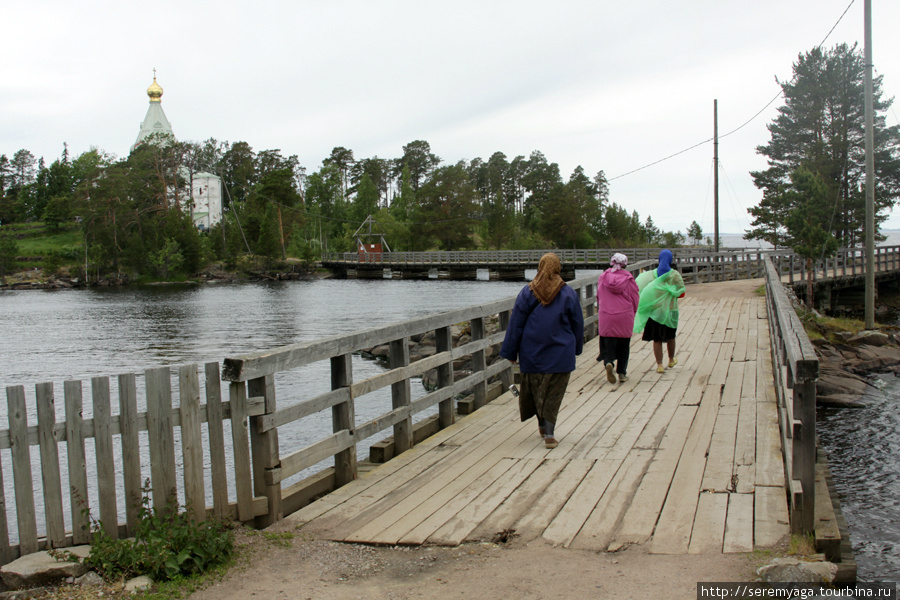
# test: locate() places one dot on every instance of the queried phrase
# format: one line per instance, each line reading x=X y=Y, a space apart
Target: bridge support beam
x=512 y=275
x=462 y=274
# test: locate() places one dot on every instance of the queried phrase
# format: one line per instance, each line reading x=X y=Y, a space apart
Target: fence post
x=161 y=436
x=401 y=396
x=591 y=292
x=803 y=518
x=444 y=342
x=49 y=452
x=191 y=442
x=106 y=468
x=479 y=362
x=264 y=446
x=343 y=416
x=79 y=501
x=21 y=465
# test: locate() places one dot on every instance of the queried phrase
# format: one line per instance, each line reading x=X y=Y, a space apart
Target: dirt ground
x=307 y=568
x=301 y=568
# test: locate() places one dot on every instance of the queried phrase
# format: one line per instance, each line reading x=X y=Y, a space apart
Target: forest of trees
x=133 y=216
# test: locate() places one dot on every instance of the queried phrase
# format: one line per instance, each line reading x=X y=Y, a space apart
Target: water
x=862 y=446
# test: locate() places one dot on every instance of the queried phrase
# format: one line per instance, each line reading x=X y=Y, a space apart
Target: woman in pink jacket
x=617 y=302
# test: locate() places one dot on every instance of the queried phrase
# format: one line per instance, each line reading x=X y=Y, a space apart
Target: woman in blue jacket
x=545 y=333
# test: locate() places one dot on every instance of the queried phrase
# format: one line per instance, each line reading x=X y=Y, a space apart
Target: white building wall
x=206 y=194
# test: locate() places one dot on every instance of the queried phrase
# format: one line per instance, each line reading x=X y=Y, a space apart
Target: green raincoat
x=659 y=299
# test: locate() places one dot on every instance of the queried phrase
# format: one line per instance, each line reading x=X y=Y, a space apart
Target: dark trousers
x=616 y=350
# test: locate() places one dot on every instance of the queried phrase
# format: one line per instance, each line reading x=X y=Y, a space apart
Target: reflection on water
x=862 y=446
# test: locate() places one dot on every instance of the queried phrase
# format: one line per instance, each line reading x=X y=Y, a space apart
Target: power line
x=750 y=120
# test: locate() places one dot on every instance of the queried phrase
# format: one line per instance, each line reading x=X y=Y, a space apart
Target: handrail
x=796 y=369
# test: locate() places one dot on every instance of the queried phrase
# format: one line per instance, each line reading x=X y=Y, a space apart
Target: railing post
x=479 y=362
x=804 y=455
x=264 y=446
x=591 y=291
x=444 y=343
x=343 y=417
x=401 y=396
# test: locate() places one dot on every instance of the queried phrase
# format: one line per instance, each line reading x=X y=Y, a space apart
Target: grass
x=38 y=245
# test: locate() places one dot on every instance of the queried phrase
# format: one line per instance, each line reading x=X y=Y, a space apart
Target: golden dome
x=154 y=91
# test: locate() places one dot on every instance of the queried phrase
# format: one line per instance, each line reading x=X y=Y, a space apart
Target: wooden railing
x=796 y=369
x=845 y=262
x=120 y=442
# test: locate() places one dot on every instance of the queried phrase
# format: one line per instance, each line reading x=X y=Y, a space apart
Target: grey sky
x=605 y=85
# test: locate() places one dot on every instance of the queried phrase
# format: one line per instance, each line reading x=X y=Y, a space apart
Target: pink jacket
x=617 y=301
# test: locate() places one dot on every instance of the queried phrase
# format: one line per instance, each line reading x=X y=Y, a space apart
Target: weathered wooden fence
x=116 y=440
x=796 y=369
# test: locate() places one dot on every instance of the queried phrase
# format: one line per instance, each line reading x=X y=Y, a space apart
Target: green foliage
x=9 y=249
x=168 y=259
x=167 y=544
x=694 y=232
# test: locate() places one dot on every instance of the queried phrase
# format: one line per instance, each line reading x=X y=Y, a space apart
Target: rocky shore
x=847 y=362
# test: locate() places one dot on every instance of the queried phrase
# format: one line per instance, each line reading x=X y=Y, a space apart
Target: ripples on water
x=864 y=456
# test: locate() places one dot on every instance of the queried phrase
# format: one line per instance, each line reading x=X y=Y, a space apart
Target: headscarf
x=618 y=261
x=665 y=263
x=547 y=283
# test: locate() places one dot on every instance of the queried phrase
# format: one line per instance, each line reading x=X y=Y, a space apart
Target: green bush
x=167 y=544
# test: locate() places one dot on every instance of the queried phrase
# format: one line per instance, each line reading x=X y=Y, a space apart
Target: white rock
x=138 y=583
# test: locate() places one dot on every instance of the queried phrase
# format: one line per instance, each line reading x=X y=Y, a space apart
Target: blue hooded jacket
x=545 y=339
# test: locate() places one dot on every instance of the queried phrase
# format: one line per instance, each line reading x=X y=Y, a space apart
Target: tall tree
x=821 y=127
x=417 y=156
x=448 y=208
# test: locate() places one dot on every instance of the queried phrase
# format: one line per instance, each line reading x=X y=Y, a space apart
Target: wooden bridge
x=716 y=455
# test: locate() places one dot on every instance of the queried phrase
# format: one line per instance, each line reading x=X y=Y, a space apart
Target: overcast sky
x=610 y=86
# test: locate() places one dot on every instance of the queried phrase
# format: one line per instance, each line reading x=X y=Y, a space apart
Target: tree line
x=134 y=212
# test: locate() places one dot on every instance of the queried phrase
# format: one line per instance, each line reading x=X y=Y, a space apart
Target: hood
x=615 y=281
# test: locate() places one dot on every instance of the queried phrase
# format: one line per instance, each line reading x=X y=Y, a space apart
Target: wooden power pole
x=870 y=174
x=716 y=174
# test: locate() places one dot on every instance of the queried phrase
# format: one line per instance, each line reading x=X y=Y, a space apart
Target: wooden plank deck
x=684 y=462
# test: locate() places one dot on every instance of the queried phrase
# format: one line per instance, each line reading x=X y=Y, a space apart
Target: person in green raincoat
x=657 y=313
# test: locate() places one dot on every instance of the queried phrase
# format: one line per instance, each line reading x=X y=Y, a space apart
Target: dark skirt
x=657 y=332
x=542 y=394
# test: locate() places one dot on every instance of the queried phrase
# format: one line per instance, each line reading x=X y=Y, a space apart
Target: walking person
x=657 y=313
x=545 y=333
x=617 y=302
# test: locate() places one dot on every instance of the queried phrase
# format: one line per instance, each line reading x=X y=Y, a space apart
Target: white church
x=206 y=188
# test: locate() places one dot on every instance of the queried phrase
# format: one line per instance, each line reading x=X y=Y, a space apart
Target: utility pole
x=716 y=174
x=870 y=174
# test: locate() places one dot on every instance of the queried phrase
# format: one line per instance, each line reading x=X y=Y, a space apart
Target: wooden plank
x=537 y=517
x=79 y=501
x=708 y=532
x=216 y=431
x=103 y=448
x=739 y=524
x=600 y=527
x=457 y=529
x=640 y=519
x=131 y=450
x=412 y=510
x=315 y=453
x=447 y=509
x=6 y=553
x=771 y=524
x=769 y=458
x=717 y=477
x=573 y=514
x=21 y=464
x=520 y=501
x=53 y=503
x=243 y=477
x=192 y=442
x=673 y=532
x=161 y=438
